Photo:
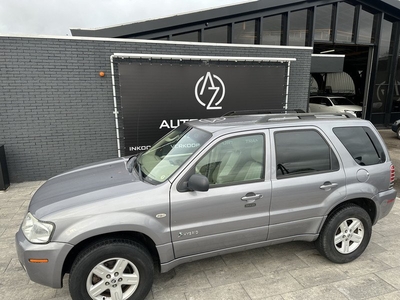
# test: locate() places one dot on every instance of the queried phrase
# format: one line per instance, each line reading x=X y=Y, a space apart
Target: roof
x=148 y=26
x=232 y=123
x=209 y=17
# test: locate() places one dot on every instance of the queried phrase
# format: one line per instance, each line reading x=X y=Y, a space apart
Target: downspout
x=115 y=105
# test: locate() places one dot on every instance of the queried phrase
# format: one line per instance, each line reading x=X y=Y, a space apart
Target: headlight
x=351 y=112
x=36 y=231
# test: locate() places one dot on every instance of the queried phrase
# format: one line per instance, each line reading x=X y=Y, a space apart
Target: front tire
x=345 y=235
x=112 y=269
x=398 y=132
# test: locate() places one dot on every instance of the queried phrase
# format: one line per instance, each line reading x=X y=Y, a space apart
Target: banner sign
x=157 y=97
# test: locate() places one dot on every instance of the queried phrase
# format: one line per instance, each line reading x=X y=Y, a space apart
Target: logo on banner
x=214 y=84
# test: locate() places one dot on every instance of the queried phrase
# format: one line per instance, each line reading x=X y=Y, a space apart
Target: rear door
x=307 y=177
x=235 y=210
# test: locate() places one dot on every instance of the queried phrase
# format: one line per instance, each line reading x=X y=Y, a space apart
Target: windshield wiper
x=139 y=167
x=130 y=163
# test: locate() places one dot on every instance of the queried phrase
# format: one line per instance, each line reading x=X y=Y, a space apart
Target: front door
x=235 y=210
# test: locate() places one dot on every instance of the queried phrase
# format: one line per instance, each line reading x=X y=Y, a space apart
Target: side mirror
x=198 y=182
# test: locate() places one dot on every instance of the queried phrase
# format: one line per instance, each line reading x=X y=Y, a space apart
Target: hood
x=84 y=184
x=350 y=107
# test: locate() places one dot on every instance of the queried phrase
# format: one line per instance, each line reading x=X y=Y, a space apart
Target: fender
x=156 y=229
x=356 y=190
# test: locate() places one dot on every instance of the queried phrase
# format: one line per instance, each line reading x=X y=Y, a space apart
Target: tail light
x=392 y=176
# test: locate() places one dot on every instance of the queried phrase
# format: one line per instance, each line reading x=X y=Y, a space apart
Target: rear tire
x=112 y=269
x=398 y=132
x=345 y=235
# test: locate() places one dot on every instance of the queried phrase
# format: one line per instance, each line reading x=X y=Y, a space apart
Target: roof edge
x=85 y=38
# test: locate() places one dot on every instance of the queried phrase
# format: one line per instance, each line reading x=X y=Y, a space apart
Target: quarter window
x=235 y=160
x=362 y=145
x=303 y=152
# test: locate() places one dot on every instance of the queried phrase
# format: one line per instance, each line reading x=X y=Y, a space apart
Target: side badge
x=160 y=216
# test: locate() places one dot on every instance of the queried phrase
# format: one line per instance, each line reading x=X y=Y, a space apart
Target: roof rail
x=261 y=112
x=302 y=116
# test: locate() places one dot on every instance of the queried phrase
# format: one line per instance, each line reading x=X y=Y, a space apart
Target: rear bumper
x=50 y=273
x=385 y=201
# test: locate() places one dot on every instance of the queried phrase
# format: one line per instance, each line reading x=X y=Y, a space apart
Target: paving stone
x=392 y=243
x=390 y=296
x=362 y=266
x=226 y=292
x=385 y=226
x=363 y=287
x=391 y=276
x=202 y=265
x=172 y=279
x=283 y=263
x=244 y=257
x=314 y=276
x=227 y=275
x=390 y=258
x=289 y=248
x=14 y=279
x=313 y=258
x=277 y=297
x=374 y=248
x=272 y=284
x=325 y=292
x=176 y=293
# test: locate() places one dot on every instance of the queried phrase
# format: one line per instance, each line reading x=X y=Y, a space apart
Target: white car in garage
x=334 y=104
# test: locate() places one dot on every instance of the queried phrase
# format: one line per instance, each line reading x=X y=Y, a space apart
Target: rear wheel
x=345 y=235
x=398 y=132
x=110 y=270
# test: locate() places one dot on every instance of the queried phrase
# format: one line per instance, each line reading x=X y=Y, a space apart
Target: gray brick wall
x=56 y=112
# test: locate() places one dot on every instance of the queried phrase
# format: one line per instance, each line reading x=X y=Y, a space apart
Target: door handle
x=327 y=185
x=251 y=196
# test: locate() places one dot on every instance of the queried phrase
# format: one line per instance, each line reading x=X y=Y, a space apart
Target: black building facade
x=366 y=32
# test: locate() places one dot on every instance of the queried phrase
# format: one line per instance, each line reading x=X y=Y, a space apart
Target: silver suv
x=207 y=188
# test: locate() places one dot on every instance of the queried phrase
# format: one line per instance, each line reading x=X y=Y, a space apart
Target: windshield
x=341 y=101
x=158 y=163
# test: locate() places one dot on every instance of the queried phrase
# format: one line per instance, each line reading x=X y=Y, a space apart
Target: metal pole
x=115 y=105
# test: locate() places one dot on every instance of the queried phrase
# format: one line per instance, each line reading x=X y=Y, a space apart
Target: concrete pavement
x=283 y=272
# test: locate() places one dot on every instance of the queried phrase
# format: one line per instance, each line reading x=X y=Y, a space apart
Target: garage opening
x=352 y=82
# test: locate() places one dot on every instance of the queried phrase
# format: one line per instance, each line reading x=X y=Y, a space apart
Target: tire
x=345 y=235
x=398 y=132
x=100 y=271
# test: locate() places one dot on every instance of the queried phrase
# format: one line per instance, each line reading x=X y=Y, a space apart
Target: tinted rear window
x=362 y=144
x=303 y=152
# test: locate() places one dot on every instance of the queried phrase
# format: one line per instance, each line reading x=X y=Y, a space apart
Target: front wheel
x=398 y=132
x=110 y=270
x=345 y=235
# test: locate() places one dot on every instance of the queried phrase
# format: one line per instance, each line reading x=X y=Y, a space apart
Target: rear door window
x=362 y=144
x=303 y=152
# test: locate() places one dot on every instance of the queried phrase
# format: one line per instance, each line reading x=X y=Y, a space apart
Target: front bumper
x=50 y=273
x=395 y=125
